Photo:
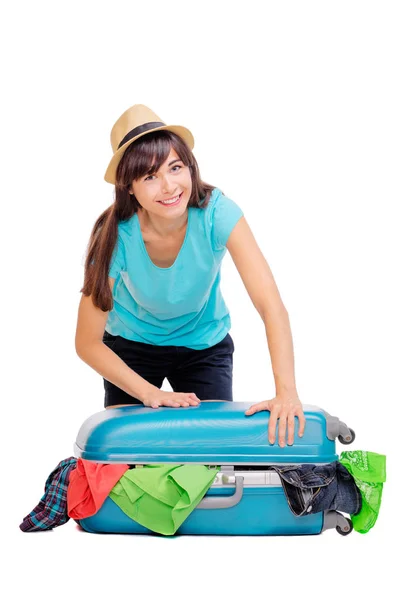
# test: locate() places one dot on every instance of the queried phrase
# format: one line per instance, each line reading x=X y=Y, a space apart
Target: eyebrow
x=169 y=164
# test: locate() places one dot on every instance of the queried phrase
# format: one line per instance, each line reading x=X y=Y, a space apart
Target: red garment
x=89 y=485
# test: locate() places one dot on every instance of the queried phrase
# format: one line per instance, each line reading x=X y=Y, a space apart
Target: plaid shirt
x=52 y=508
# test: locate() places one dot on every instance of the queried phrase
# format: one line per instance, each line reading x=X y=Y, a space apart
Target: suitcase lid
x=212 y=433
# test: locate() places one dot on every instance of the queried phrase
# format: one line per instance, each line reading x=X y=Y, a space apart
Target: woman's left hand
x=283 y=407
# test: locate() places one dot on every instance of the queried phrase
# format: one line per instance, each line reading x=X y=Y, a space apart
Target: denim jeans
x=315 y=488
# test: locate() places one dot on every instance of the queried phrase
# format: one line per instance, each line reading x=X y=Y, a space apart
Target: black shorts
x=207 y=373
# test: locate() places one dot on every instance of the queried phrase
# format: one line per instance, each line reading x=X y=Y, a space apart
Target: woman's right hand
x=156 y=398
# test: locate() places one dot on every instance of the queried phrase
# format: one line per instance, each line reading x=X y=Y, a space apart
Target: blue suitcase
x=246 y=498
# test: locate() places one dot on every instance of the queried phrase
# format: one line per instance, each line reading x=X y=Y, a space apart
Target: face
x=167 y=192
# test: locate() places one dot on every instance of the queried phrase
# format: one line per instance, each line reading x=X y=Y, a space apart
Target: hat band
x=139 y=130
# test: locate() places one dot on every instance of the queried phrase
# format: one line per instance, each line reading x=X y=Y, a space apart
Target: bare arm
x=262 y=289
x=91 y=349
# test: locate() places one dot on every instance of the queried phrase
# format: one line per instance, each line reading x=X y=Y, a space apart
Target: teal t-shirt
x=181 y=305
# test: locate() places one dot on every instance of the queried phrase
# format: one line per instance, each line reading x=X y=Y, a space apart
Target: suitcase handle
x=224 y=501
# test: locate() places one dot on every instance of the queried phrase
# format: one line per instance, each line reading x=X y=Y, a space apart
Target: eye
x=174 y=167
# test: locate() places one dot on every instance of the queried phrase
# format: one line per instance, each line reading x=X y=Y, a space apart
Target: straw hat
x=135 y=122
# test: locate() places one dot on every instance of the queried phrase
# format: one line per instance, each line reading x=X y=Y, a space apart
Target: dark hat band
x=139 y=130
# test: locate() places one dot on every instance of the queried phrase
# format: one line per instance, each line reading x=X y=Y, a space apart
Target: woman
x=151 y=306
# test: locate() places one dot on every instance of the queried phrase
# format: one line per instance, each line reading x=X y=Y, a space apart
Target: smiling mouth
x=171 y=202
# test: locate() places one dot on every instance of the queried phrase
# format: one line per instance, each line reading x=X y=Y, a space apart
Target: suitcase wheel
x=347 y=528
x=342 y=440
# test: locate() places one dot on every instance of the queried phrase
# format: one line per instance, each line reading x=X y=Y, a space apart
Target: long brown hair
x=143 y=157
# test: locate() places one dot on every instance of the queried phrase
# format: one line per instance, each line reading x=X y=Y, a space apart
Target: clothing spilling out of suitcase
x=210 y=471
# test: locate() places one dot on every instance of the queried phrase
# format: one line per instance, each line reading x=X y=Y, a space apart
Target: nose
x=167 y=185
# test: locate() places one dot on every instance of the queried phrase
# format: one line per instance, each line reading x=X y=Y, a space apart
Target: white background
x=294 y=107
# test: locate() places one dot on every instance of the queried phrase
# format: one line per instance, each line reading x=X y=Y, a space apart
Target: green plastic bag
x=369 y=472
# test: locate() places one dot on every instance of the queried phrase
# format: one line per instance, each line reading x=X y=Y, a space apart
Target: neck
x=163 y=227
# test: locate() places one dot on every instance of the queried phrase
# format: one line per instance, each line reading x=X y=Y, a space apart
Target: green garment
x=369 y=472
x=161 y=497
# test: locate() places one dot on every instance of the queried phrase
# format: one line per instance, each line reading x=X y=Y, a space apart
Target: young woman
x=151 y=306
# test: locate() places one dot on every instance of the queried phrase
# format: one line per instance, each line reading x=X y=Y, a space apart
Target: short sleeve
x=226 y=213
x=117 y=263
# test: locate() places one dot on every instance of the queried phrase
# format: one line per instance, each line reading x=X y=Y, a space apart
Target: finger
x=187 y=399
x=272 y=424
x=184 y=400
x=258 y=407
x=282 y=427
x=193 y=399
x=171 y=402
x=302 y=421
x=290 y=428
